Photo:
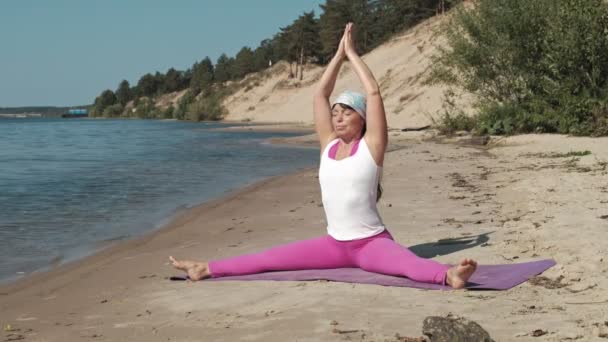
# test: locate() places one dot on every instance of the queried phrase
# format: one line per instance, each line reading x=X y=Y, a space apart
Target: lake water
x=67 y=186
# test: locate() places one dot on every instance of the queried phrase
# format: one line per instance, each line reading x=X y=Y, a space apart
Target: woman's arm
x=321 y=106
x=377 y=133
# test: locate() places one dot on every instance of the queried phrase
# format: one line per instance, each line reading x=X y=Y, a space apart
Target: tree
x=273 y=48
x=336 y=14
x=159 y=81
x=147 y=85
x=186 y=79
x=243 y=63
x=173 y=81
x=259 y=59
x=224 y=68
x=202 y=75
x=106 y=99
x=304 y=34
x=263 y=54
x=287 y=47
x=123 y=93
x=392 y=16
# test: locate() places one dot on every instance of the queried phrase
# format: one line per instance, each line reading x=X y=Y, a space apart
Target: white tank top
x=349 y=188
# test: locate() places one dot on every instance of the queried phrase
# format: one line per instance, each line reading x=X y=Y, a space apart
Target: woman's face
x=346 y=121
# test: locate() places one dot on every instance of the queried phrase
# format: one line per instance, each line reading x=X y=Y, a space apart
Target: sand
x=511 y=201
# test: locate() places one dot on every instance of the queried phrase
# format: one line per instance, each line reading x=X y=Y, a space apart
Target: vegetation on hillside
x=307 y=39
x=533 y=66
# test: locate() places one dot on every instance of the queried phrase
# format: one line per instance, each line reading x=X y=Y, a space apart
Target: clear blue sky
x=65 y=52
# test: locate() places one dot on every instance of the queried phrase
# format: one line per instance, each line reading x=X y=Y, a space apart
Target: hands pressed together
x=346 y=48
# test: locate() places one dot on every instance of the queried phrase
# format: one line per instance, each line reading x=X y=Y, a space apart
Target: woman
x=353 y=137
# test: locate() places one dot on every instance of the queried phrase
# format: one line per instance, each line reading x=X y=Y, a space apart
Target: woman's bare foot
x=458 y=275
x=196 y=270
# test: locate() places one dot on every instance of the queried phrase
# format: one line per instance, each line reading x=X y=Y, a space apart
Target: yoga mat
x=487 y=277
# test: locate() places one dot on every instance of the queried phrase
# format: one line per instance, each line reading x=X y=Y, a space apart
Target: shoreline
x=101 y=246
x=177 y=219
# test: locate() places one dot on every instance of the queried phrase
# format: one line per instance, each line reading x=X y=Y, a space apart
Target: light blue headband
x=354 y=100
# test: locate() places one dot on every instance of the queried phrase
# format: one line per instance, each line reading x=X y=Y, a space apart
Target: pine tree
x=172 y=81
x=123 y=93
x=336 y=14
x=287 y=47
x=224 y=68
x=202 y=75
x=147 y=85
x=259 y=59
x=305 y=41
x=243 y=63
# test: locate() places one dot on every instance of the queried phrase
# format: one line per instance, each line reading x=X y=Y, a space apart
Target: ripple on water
x=70 y=187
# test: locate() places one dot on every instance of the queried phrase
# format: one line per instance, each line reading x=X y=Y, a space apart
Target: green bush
x=145 y=109
x=114 y=110
x=206 y=107
x=453 y=119
x=182 y=105
x=459 y=122
x=534 y=66
x=168 y=113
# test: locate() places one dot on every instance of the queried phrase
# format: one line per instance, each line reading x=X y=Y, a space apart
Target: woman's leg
x=384 y=255
x=318 y=253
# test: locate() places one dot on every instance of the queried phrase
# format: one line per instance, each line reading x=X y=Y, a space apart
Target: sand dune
x=400 y=66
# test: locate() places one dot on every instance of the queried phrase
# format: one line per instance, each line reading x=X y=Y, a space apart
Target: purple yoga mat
x=487 y=277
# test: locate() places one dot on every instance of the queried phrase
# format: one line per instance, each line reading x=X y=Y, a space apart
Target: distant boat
x=76 y=113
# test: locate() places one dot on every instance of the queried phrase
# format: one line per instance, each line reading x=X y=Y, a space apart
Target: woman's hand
x=349 y=43
x=341 y=53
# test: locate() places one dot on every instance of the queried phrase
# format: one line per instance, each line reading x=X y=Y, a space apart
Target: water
x=69 y=185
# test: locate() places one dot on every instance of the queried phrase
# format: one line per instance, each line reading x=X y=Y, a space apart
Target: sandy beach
x=516 y=199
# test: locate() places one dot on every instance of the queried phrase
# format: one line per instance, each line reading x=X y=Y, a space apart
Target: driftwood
x=413 y=129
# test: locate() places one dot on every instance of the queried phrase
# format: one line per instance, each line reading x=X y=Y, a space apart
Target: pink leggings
x=378 y=253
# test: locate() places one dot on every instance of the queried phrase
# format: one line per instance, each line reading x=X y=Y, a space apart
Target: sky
x=65 y=52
